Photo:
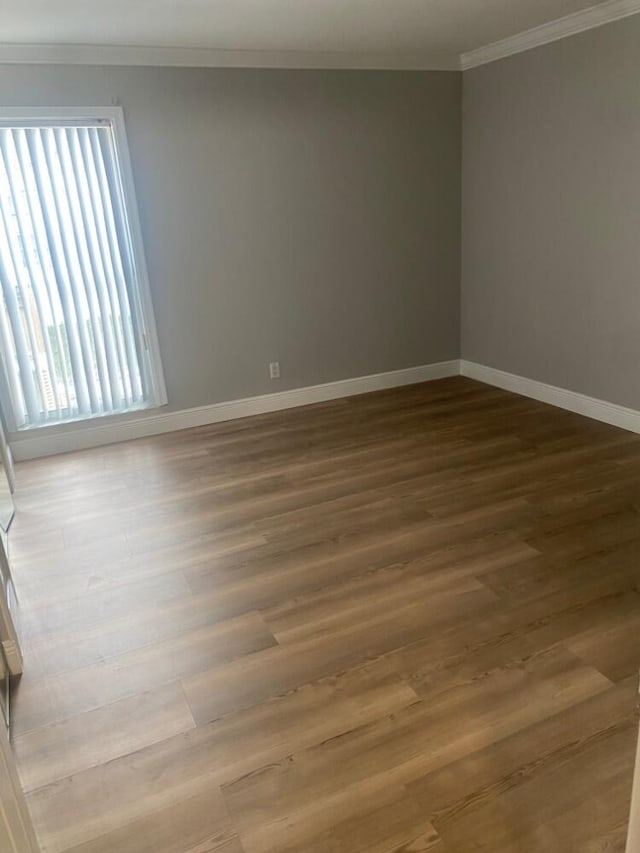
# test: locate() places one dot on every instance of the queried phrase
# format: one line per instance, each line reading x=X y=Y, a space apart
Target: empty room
x=319 y=426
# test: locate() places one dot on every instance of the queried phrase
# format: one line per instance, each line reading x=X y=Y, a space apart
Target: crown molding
x=193 y=57
x=187 y=57
x=578 y=22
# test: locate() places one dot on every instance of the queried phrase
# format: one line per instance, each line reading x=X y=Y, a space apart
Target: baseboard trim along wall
x=47 y=441
x=591 y=407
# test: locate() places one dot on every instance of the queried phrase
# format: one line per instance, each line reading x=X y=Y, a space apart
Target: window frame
x=143 y=305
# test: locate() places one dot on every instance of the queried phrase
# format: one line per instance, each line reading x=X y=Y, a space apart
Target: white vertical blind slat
x=17 y=183
x=117 y=232
x=19 y=309
x=61 y=210
x=113 y=384
x=107 y=253
x=21 y=348
x=80 y=237
x=41 y=257
x=52 y=227
x=11 y=372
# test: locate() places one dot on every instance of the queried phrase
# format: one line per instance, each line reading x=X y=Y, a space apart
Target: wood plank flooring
x=402 y=622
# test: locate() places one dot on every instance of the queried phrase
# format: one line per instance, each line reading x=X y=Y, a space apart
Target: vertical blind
x=70 y=338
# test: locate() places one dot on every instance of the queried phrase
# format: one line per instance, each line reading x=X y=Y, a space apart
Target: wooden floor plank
x=201 y=760
x=101 y=735
x=403 y=622
x=39 y=702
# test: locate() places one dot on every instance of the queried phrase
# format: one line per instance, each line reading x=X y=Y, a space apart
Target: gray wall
x=551 y=213
x=307 y=217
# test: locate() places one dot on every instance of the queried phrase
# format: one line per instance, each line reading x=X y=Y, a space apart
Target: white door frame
x=633 y=837
x=9 y=612
x=16 y=830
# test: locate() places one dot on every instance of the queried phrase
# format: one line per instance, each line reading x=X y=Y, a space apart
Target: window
x=77 y=338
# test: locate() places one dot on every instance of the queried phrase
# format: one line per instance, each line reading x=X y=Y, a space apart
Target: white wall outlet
x=274 y=370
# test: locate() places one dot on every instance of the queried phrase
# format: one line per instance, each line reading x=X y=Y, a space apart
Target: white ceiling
x=439 y=31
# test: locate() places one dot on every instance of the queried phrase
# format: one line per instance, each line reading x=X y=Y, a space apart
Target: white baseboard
x=591 y=407
x=47 y=441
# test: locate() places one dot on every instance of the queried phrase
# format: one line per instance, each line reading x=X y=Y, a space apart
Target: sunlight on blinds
x=67 y=329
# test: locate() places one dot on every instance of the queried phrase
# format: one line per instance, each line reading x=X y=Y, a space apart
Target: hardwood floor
x=397 y=623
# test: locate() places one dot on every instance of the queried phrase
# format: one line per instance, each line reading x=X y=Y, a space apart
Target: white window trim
x=144 y=306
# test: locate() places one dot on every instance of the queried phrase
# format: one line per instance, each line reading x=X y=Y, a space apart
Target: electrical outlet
x=274 y=370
